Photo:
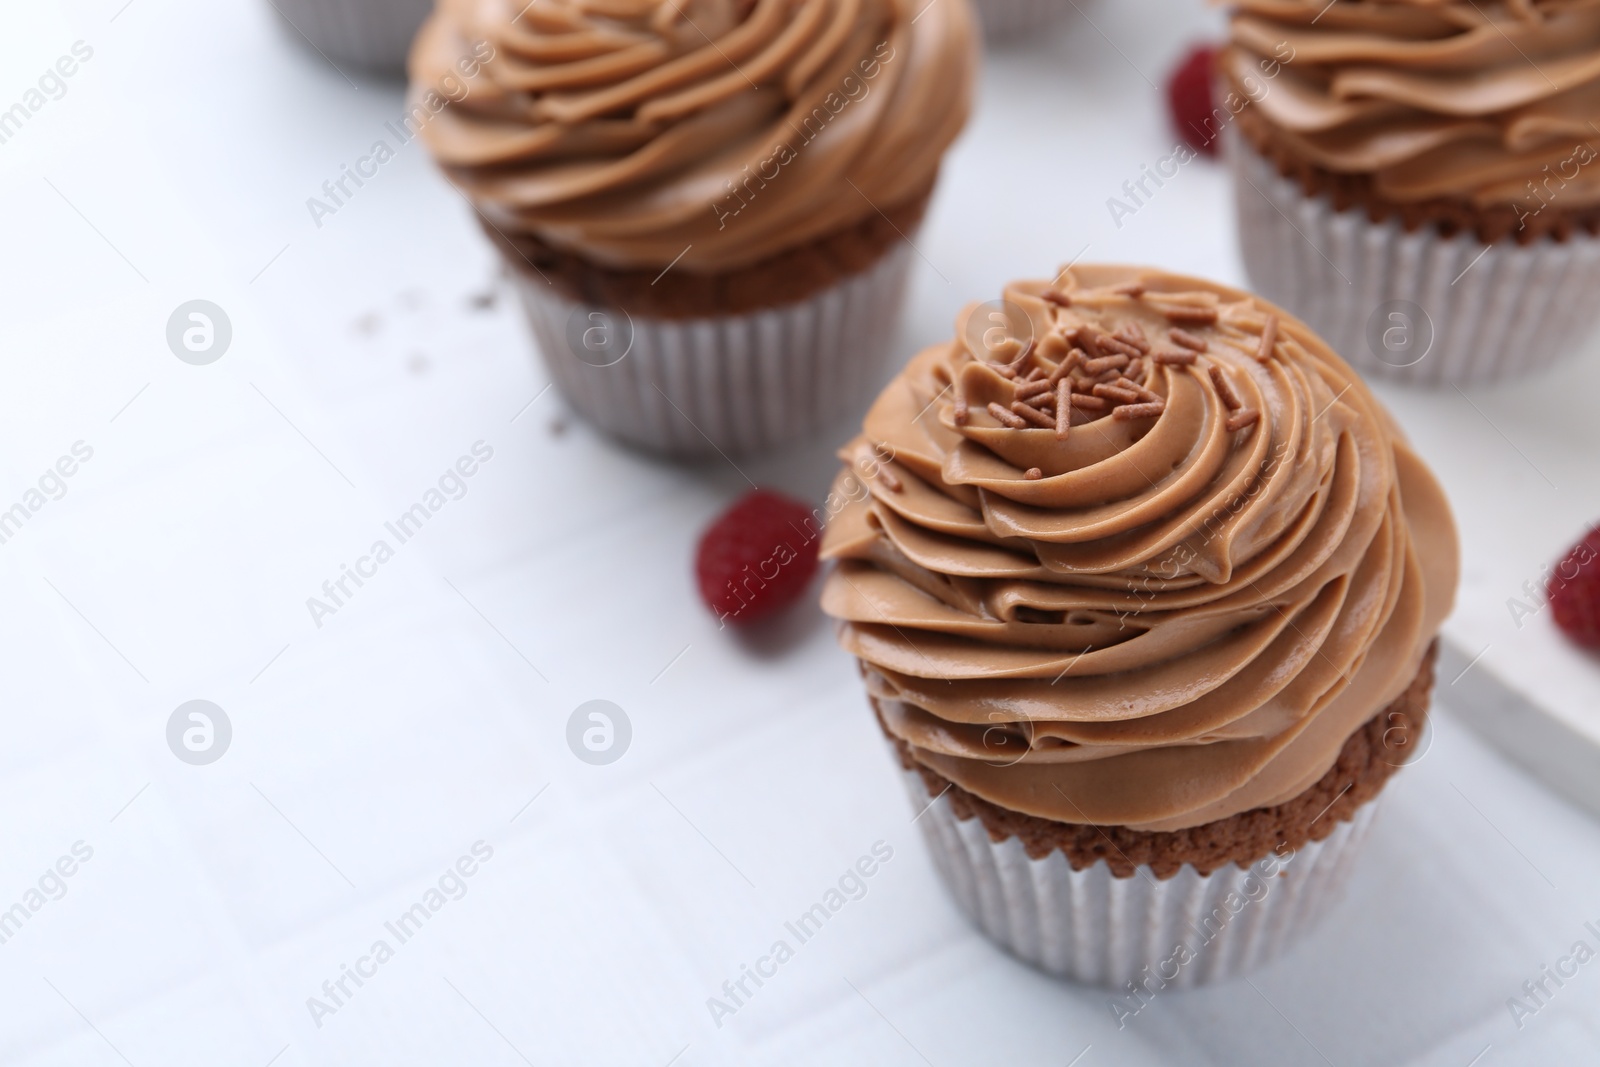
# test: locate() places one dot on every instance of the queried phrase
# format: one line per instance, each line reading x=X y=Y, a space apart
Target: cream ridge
x=1492 y=104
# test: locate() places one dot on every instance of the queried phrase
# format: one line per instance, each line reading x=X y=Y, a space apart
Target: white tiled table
x=429 y=712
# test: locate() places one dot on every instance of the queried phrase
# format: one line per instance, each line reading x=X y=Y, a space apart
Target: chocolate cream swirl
x=710 y=134
x=1178 y=612
x=1492 y=104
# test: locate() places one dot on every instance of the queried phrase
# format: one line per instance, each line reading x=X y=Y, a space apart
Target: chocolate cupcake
x=1145 y=597
x=707 y=206
x=1416 y=179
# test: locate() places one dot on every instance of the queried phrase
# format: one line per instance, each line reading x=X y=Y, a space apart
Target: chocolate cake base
x=1364 y=764
x=680 y=293
x=1449 y=217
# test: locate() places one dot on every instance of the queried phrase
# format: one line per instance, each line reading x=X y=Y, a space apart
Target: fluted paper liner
x=1495 y=310
x=1012 y=20
x=371 y=34
x=736 y=383
x=1092 y=927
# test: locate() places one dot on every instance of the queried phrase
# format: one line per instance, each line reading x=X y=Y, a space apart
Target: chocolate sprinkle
x=1072 y=359
x=1129 y=412
x=1034 y=415
x=1004 y=417
x=1269 y=339
x=1084 y=402
x=1113 y=343
x=1240 y=419
x=1132 y=333
x=1195 y=316
x=1225 y=388
x=1105 y=363
x=1119 y=391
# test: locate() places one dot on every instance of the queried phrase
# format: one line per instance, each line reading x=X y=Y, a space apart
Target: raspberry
x=1574 y=591
x=757 y=557
x=1189 y=100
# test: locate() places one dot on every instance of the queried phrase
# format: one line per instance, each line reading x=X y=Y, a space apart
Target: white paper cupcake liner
x=1010 y=20
x=732 y=384
x=1412 y=307
x=371 y=34
x=1092 y=927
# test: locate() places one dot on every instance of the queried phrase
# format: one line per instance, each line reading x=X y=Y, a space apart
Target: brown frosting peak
x=636 y=132
x=1490 y=104
x=1175 y=612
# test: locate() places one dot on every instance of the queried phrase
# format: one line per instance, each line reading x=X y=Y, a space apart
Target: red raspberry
x=1574 y=591
x=757 y=557
x=1189 y=100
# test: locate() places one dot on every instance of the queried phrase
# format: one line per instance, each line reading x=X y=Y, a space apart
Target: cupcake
x=707 y=206
x=1145 y=597
x=374 y=35
x=1415 y=178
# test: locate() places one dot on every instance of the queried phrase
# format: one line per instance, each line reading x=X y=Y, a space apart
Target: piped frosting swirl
x=1493 y=104
x=708 y=134
x=1174 y=608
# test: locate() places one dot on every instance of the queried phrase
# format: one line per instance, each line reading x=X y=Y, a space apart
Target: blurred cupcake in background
x=1145 y=597
x=373 y=35
x=707 y=206
x=1418 y=179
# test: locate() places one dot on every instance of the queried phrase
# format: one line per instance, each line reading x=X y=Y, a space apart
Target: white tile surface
x=370 y=753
